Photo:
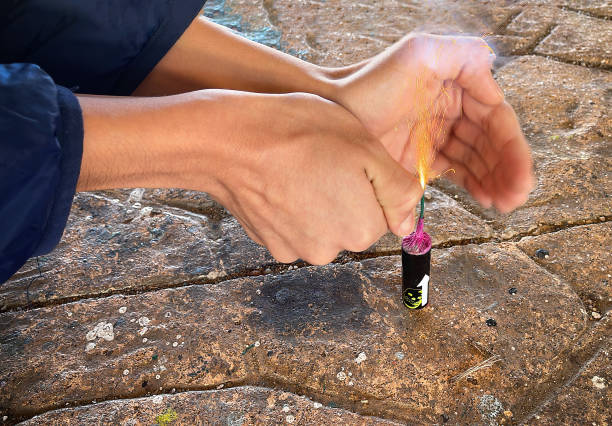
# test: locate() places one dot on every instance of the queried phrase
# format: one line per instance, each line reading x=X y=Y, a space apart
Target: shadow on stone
x=312 y=299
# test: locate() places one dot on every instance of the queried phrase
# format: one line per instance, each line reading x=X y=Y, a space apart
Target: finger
x=274 y=237
x=472 y=135
x=466 y=60
x=463 y=177
x=368 y=226
x=251 y=232
x=278 y=248
x=502 y=129
x=462 y=153
x=238 y=214
x=319 y=255
x=505 y=199
x=262 y=232
x=397 y=191
x=448 y=101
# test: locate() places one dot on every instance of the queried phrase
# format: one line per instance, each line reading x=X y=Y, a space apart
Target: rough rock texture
x=581 y=256
x=233 y=407
x=110 y=246
x=306 y=331
x=563 y=33
x=586 y=394
x=156 y=308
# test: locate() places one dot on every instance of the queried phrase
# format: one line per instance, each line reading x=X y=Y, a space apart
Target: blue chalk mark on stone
x=220 y=12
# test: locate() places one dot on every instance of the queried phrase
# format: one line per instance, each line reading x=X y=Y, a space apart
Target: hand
x=304 y=177
x=482 y=143
x=300 y=173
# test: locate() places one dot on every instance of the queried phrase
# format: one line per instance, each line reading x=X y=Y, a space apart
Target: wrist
x=338 y=82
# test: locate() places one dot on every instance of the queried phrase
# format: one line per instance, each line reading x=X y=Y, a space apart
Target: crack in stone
x=501 y=28
x=586 y=13
x=530 y=48
x=556 y=392
x=378 y=408
x=577 y=361
x=584 y=64
x=261 y=383
x=278 y=268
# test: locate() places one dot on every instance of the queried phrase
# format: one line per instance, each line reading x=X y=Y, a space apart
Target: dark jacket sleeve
x=41 y=144
x=104 y=47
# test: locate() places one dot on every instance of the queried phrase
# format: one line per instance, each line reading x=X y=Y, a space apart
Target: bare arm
x=279 y=163
x=379 y=92
x=145 y=142
x=210 y=56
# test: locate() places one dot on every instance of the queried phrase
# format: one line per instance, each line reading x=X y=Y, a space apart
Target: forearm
x=146 y=142
x=211 y=56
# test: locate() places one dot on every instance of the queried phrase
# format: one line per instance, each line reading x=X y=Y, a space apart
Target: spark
x=429 y=129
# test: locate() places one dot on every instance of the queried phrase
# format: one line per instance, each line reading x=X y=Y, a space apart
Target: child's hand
x=304 y=177
x=300 y=173
x=484 y=143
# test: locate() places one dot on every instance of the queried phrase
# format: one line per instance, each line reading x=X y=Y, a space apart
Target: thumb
x=397 y=191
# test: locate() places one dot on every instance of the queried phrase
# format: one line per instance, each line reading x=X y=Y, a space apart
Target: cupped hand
x=481 y=140
x=305 y=178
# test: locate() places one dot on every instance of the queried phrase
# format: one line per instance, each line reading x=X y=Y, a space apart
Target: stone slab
x=246 y=405
x=601 y=9
x=568 y=192
x=562 y=33
x=563 y=108
x=137 y=239
x=112 y=245
x=581 y=256
x=341 y=32
x=338 y=334
x=585 y=397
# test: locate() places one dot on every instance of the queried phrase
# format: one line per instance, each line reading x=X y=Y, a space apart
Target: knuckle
x=282 y=256
x=322 y=257
x=362 y=240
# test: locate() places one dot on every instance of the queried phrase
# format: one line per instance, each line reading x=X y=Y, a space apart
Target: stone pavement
x=157 y=309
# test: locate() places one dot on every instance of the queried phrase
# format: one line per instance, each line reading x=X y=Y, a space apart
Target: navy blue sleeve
x=41 y=145
x=95 y=46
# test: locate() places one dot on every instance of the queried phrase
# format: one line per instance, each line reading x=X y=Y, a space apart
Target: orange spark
x=428 y=129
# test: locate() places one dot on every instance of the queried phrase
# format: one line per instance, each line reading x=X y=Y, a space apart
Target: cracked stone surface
x=304 y=330
x=568 y=192
x=244 y=405
x=564 y=34
x=587 y=270
x=113 y=246
x=157 y=309
x=573 y=123
x=341 y=32
x=186 y=235
x=587 y=394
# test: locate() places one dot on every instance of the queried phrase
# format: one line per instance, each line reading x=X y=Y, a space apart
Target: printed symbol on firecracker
x=412 y=298
x=424 y=284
